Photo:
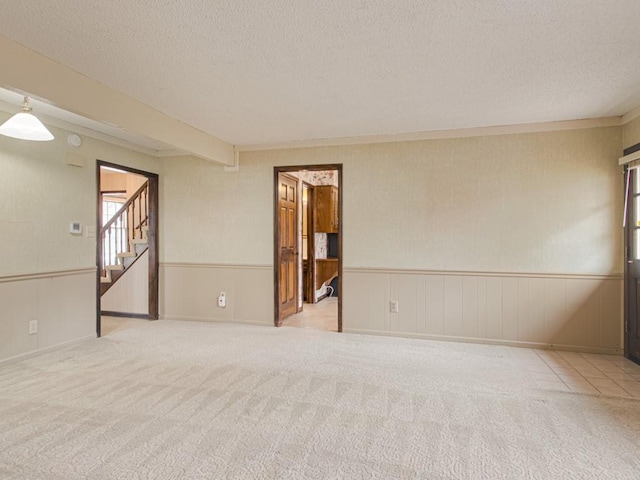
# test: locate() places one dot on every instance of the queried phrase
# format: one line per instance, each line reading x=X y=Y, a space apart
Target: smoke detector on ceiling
x=74 y=140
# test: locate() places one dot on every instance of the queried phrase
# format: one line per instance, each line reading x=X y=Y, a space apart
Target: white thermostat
x=75 y=228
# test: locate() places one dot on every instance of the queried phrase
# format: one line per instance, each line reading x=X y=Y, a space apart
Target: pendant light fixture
x=25 y=126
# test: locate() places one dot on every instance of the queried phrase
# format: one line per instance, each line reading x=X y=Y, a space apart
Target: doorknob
x=629 y=261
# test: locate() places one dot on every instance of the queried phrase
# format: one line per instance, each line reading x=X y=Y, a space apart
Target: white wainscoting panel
x=189 y=291
x=63 y=304
x=130 y=294
x=579 y=312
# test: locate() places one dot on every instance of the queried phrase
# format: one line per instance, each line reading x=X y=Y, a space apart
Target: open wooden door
x=286 y=236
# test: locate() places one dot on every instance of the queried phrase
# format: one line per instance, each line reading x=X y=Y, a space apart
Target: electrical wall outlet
x=222 y=300
x=393 y=306
x=33 y=327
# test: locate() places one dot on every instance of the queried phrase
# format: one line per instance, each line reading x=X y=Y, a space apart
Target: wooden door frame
x=629 y=310
x=311 y=242
x=276 y=217
x=152 y=236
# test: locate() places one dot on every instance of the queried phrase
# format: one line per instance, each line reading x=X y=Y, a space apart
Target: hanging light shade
x=26 y=126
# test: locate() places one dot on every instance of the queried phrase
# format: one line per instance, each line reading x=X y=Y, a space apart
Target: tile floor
x=316 y=316
x=589 y=373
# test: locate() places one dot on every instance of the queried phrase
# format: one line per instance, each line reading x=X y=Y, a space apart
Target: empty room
x=324 y=240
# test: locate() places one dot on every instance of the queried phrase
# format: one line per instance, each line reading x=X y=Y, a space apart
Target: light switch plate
x=75 y=228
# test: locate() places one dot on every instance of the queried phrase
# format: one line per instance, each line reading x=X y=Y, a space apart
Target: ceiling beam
x=28 y=71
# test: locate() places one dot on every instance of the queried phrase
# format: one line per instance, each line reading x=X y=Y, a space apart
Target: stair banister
x=125 y=206
x=125 y=230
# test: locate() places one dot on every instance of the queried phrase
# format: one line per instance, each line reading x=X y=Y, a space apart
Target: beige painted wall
x=530 y=204
x=211 y=216
x=112 y=181
x=39 y=196
x=116 y=181
x=631 y=133
x=540 y=202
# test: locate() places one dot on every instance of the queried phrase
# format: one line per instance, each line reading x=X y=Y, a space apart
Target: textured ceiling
x=271 y=71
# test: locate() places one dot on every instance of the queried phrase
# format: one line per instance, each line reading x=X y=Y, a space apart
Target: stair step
x=114 y=267
x=127 y=254
x=105 y=280
x=140 y=248
x=137 y=241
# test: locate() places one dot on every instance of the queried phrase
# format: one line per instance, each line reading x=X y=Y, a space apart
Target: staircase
x=124 y=238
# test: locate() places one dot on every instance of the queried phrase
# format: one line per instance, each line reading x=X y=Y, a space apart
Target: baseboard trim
x=489 y=341
x=214 y=320
x=41 y=351
x=107 y=313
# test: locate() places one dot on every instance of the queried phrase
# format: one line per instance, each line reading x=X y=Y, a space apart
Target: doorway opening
x=126 y=247
x=308 y=246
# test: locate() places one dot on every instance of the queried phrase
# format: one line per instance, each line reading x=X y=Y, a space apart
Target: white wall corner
x=630 y=115
x=236 y=162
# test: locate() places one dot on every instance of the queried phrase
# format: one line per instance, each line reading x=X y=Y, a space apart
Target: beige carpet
x=181 y=400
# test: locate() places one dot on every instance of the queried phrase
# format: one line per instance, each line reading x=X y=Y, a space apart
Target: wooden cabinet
x=326 y=203
x=326 y=270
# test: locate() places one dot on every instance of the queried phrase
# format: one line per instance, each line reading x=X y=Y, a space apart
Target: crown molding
x=441 y=134
x=630 y=115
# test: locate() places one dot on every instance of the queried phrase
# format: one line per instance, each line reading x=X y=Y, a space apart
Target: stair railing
x=125 y=225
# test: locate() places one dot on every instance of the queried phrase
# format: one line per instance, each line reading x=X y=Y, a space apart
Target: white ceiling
x=275 y=71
